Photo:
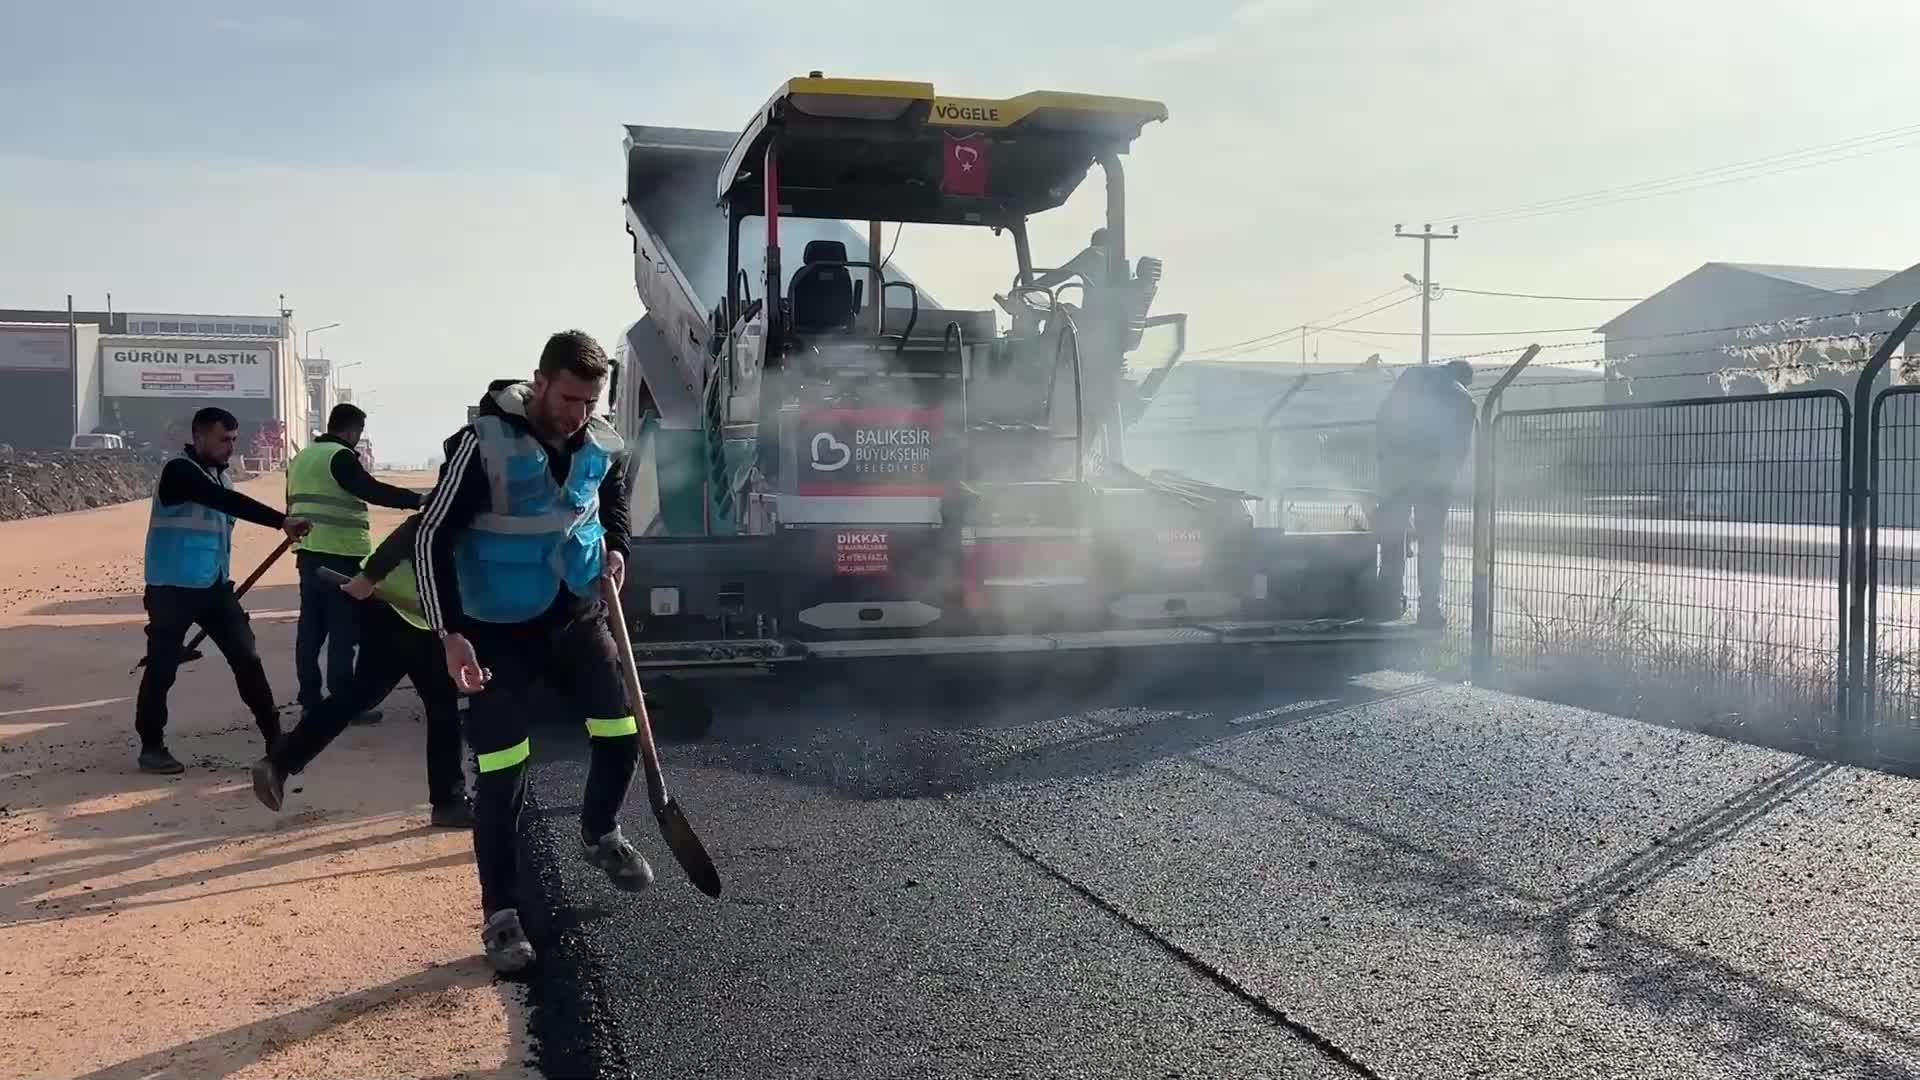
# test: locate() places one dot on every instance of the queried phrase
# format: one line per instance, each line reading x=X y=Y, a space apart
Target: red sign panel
x=861 y=551
x=964 y=169
x=869 y=452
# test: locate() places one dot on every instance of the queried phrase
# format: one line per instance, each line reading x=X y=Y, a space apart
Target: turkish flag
x=964 y=167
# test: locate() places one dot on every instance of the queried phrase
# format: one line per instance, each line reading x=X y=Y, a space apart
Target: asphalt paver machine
x=832 y=465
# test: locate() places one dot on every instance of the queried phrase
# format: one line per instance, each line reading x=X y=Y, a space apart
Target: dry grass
x=1737 y=676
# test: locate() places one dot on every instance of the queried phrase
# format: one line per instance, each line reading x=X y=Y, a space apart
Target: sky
x=444 y=179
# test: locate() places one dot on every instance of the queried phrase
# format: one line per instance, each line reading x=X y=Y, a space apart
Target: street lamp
x=306 y=340
x=335 y=374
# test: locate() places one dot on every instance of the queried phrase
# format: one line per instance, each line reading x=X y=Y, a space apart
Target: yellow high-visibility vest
x=340 y=521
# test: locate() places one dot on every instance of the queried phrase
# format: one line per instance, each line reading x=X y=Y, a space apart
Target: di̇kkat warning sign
x=870 y=452
x=860 y=551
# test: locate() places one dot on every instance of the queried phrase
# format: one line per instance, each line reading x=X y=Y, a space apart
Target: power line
x=1602 y=360
x=1277 y=337
x=1751 y=168
x=1756 y=325
x=1475 y=333
x=1444 y=289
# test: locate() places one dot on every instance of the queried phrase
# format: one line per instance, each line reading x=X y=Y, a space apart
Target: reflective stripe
x=608 y=729
x=495 y=760
x=196 y=523
x=327 y=500
x=329 y=519
x=532 y=525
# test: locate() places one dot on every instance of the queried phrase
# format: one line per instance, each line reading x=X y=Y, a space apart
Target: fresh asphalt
x=1285 y=865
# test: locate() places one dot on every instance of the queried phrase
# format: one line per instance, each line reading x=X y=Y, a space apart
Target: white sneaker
x=508 y=949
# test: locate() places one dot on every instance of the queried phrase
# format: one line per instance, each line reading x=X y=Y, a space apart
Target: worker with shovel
x=529 y=516
x=189 y=559
x=327 y=484
x=395 y=643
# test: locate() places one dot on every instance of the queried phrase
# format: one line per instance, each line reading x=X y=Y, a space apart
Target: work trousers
x=1426 y=503
x=390 y=649
x=326 y=618
x=172 y=612
x=575 y=655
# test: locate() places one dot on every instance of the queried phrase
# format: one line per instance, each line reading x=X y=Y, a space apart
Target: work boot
x=453 y=815
x=269 y=783
x=625 y=867
x=508 y=949
x=159 y=761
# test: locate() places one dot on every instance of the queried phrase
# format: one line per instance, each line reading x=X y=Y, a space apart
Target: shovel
x=679 y=835
x=193 y=652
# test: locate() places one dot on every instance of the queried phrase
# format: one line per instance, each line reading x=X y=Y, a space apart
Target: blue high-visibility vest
x=189 y=545
x=535 y=535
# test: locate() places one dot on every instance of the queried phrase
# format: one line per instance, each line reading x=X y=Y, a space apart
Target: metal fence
x=1892 y=643
x=1682 y=556
x=1744 y=564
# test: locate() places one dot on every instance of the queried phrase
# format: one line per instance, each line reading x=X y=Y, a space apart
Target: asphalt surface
x=1290 y=867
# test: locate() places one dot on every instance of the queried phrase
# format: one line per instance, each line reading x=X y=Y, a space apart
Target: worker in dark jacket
x=327 y=485
x=395 y=643
x=189 y=580
x=529 y=516
x=1425 y=431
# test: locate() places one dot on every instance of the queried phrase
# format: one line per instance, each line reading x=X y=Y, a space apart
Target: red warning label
x=860 y=552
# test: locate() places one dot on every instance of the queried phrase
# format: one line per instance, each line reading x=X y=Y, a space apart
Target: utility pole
x=1426 y=236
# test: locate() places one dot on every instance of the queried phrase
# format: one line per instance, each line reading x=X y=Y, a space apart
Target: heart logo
x=826 y=442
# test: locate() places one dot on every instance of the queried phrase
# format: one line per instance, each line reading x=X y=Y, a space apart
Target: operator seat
x=823 y=297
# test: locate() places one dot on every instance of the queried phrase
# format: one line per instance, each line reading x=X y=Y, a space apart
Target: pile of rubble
x=37 y=482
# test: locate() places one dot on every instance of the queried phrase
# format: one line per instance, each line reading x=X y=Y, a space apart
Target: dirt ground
x=172 y=927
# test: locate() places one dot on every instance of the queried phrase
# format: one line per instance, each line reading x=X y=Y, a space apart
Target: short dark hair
x=212 y=415
x=574 y=351
x=1462 y=372
x=345 y=416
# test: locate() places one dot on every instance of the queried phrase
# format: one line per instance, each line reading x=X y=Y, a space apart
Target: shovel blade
x=687 y=848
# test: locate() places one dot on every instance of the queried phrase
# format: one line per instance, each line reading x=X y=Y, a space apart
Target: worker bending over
x=189 y=566
x=395 y=643
x=529 y=515
x=327 y=485
x=1425 y=431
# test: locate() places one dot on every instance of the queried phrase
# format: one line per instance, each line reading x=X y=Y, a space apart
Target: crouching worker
x=395 y=643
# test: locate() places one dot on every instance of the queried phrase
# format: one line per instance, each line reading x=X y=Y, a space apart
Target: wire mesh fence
x=1893 y=638
x=1677 y=559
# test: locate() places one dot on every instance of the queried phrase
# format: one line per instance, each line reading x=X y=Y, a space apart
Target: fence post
x=1855 y=694
x=1482 y=626
x=1263 y=449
